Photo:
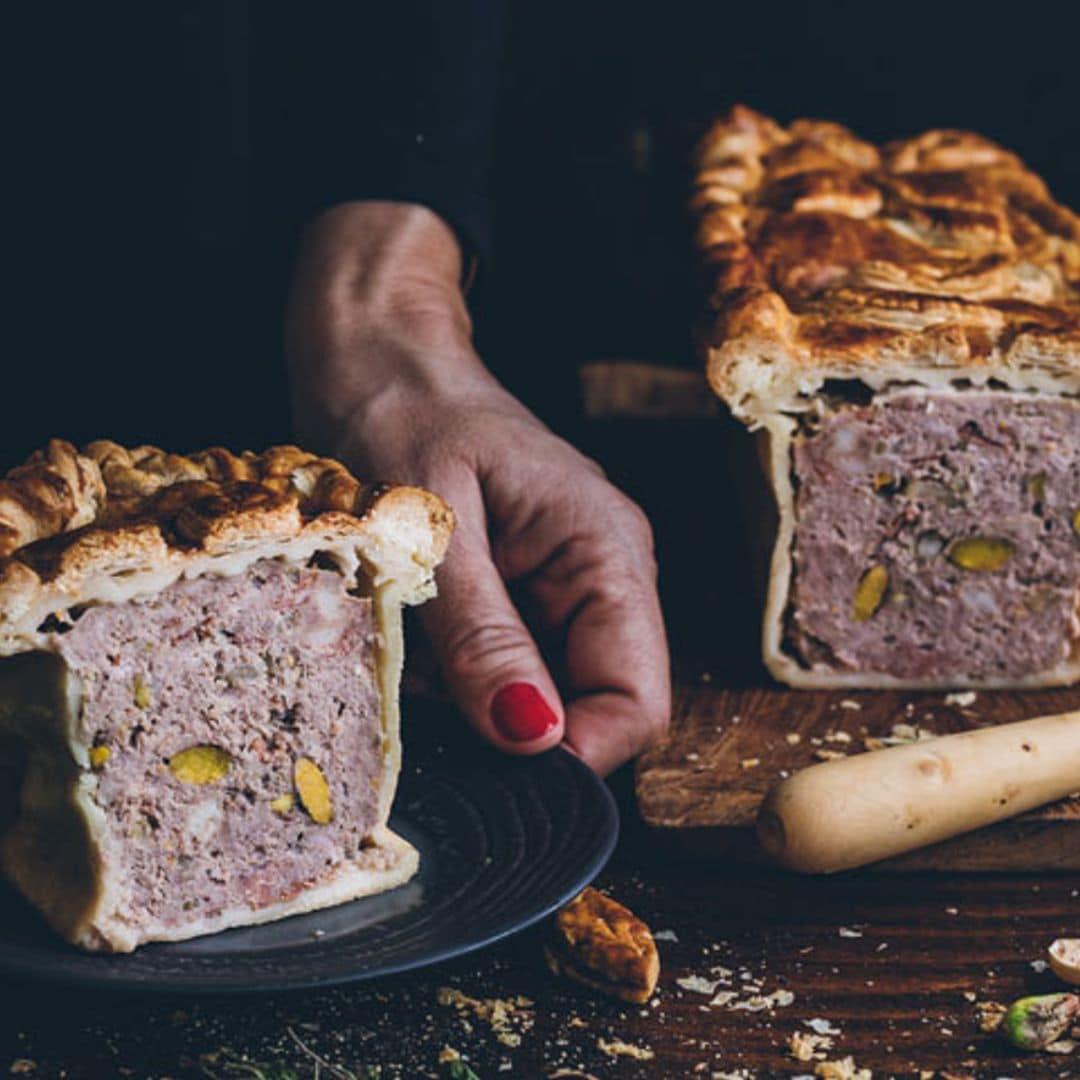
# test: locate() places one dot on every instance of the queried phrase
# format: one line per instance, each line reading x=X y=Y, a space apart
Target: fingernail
x=520 y=714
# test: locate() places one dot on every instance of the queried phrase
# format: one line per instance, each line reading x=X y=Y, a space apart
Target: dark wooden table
x=895 y=964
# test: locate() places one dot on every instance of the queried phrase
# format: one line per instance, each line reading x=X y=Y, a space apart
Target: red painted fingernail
x=520 y=714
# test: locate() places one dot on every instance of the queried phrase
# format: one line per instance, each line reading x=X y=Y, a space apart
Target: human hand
x=395 y=388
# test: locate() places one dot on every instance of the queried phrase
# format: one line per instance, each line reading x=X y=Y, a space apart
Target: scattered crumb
x=990 y=1014
x=503 y=1015
x=793 y=738
x=804 y=1046
x=962 y=700
x=969 y=995
x=847 y=932
x=759 y=1002
x=665 y=935
x=821 y=1027
x=697 y=984
x=901 y=734
x=1039 y=966
x=577 y=1022
x=618 y=1048
x=849 y=703
x=828 y=755
x=952 y=911
x=22 y=1067
x=838 y=736
x=843 y=1069
x=448 y=1054
x=750 y=762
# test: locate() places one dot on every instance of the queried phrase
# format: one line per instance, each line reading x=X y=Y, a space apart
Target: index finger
x=618 y=697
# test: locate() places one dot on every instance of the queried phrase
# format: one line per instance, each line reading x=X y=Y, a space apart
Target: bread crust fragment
x=601 y=944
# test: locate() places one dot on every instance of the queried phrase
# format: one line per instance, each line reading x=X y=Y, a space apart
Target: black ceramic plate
x=503 y=842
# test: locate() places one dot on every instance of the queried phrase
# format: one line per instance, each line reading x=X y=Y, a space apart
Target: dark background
x=162 y=161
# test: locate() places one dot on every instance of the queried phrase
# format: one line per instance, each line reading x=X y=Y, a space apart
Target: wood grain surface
x=700 y=789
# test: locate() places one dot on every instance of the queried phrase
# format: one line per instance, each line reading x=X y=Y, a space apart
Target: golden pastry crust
x=107 y=523
x=930 y=260
x=605 y=946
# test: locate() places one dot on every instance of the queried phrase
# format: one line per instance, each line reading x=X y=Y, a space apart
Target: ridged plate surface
x=503 y=842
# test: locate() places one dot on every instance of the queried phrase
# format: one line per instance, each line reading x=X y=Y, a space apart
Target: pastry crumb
x=618 y=1048
x=841 y=1069
x=805 y=1046
x=990 y=1014
x=963 y=700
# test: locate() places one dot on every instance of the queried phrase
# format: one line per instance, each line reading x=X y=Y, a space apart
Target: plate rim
x=57 y=975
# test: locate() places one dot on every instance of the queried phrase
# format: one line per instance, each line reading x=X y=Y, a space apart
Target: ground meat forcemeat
x=963 y=507
x=270 y=666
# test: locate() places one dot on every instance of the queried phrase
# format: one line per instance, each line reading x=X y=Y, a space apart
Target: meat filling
x=937 y=536
x=199 y=703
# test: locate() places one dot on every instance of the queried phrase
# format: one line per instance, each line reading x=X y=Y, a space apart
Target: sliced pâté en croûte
x=901 y=325
x=200 y=667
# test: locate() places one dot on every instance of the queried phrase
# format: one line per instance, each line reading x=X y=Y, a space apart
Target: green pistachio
x=1034 y=1023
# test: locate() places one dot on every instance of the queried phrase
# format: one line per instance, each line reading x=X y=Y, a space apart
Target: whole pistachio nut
x=1034 y=1023
x=869 y=593
x=981 y=553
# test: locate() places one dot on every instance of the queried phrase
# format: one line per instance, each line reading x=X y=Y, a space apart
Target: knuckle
x=641 y=526
x=479 y=648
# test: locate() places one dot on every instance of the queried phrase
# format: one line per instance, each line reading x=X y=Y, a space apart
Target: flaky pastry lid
x=108 y=523
x=934 y=260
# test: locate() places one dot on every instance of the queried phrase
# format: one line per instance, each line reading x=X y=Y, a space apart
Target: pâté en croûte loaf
x=200 y=667
x=902 y=327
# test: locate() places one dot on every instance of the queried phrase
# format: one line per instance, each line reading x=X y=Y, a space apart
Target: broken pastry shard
x=603 y=945
x=901 y=326
x=201 y=658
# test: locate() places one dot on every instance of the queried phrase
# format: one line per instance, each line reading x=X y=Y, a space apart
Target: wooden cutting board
x=699 y=791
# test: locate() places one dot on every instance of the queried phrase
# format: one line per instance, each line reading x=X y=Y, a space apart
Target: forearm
x=377 y=312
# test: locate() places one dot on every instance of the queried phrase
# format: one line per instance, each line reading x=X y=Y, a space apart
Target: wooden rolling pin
x=860 y=809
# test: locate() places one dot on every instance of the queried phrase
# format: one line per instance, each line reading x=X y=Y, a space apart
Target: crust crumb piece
x=806 y=1046
x=841 y=1069
x=828 y=755
x=507 y=1017
x=618 y=1048
x=603 y=945
x=990 y=1014
x=963 y=700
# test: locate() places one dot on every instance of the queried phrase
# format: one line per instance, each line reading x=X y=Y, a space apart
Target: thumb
x=488 y=657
